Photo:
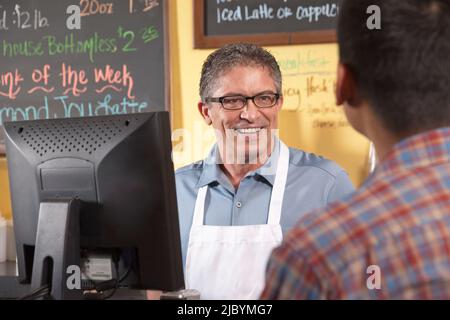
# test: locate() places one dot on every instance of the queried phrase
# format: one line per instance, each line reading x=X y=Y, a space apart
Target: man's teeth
x=248 y=130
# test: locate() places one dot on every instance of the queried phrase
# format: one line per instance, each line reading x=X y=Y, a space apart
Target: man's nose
x=250 y=112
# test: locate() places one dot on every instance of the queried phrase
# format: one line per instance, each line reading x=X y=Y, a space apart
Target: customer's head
x=402 y=71
x=240 y=90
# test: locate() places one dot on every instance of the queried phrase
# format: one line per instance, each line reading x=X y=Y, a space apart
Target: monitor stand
x=56 y=260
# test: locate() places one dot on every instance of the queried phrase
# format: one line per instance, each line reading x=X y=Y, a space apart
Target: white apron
x=229 y=262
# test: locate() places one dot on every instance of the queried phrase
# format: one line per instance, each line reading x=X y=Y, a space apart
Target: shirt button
x=238 y=204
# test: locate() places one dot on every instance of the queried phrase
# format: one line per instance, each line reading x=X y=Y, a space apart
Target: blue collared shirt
x=312 y=183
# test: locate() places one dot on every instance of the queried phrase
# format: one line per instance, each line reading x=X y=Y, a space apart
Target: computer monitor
x=85 y=189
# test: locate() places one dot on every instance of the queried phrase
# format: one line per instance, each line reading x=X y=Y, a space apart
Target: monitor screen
x=114 y=176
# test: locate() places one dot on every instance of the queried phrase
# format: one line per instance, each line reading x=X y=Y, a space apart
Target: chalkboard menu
x=76 y=58
x=265 y=22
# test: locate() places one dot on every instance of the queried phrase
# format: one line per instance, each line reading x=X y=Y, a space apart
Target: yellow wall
x=4 y=190
x=302 y=113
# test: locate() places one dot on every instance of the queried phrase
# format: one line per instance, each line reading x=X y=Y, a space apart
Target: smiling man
x=236 y=204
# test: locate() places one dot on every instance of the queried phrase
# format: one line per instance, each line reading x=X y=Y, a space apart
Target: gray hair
x=233 y=55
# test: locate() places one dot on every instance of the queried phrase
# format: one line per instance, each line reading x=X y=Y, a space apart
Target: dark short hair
x=232 y=55
x=402 y=69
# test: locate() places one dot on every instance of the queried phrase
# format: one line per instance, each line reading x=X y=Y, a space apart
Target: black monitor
x=90 y=190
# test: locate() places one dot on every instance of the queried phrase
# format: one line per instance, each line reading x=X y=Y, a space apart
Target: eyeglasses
x=263 y=100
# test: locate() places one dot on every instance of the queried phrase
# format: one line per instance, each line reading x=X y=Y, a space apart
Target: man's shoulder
x=189 y=175
x=303 y=159
x=323 y=230
x=347 y=226
x=191 y=168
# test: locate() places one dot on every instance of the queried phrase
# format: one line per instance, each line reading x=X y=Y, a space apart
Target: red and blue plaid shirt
x=388 y=240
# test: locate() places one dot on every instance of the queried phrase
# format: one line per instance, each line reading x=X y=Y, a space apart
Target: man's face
x=245 y=134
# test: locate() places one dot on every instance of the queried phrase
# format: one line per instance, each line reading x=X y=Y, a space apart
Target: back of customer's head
x=403 y=69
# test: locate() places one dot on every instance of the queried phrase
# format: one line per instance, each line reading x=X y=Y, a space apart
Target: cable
x=113 y=291
x=116 y=265
x=41 y=295
x=36 y=293
x=106 y=289
x=125 y=275
x=101 y=288
x=117 y=282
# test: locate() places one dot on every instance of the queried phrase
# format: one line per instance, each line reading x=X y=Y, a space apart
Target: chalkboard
x=265 y=22
x=115 y=63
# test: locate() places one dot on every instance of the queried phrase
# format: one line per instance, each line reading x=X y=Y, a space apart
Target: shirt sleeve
x=342 y=187
x=185 y=189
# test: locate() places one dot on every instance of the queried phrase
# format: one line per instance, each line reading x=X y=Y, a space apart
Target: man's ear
x=346 y=91
x=204 y=111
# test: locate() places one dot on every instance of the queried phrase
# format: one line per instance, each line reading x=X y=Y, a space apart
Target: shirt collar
x=421 y=150
x=212 y=173
x=269 y=169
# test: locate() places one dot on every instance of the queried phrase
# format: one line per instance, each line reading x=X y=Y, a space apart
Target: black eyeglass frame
x=220 y=99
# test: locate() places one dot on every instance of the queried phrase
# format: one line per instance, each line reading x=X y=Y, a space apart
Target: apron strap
x=199 y=209
x=276 y=200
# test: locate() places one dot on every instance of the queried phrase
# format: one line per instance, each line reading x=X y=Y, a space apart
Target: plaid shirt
x=395 y=229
